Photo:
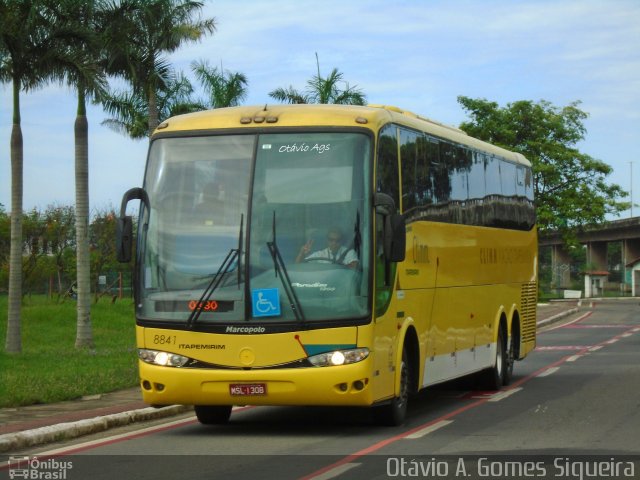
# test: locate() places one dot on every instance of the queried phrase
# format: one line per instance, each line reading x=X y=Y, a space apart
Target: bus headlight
x=339 y=357
x=164 y=359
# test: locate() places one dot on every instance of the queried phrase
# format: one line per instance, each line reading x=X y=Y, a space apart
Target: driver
x=334 y=253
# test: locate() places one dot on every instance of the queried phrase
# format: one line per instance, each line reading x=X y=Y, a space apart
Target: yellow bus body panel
x=322 y=386
x=456 y=284
x=241 y=359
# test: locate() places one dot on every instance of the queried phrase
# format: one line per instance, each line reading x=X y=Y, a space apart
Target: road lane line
x=573 y=358
x=427 y=430
x=383 y=443
x=334 y=472
x=618 y=325
x=561 y=348
x=504 y=394
x=549 y=371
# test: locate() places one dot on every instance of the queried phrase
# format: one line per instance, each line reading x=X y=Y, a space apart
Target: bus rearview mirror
x=395 y=240
x=124 y=239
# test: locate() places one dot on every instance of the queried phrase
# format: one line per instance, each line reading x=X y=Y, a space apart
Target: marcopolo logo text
x=232 y=329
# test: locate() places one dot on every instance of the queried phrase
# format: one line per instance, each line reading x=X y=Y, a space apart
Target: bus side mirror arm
x=395 y=234
x=124 y=227
x=396 y=230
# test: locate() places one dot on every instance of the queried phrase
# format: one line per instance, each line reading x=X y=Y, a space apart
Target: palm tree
x=4 y=66
x=131 y=113
x=225 y=88
x=322 y=90
x=150 y=29
x=89 y=80
x=32 y=39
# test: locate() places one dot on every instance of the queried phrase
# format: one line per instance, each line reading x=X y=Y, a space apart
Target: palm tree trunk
x=14 y=338
x=84 y=333
x=153 y=111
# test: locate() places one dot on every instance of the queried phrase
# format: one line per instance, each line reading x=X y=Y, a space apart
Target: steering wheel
x=325 y=261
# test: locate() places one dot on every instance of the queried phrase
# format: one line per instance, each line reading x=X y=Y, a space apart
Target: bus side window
x=387 y=181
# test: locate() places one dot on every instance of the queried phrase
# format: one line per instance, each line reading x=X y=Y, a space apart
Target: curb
x=69 y=430
x=556 y=317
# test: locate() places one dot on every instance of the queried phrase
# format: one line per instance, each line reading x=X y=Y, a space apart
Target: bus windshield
x=292 y=205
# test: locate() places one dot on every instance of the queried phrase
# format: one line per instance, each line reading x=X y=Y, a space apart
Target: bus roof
x=373 y=117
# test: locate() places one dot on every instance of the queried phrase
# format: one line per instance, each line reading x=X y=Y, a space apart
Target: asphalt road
x=572 y=409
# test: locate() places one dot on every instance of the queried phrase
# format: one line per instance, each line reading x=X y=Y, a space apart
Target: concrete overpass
x=596 y=240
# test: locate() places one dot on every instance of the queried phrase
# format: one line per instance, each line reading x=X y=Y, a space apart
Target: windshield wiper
x=280 y=267
x=215 y=282
x=357 y=237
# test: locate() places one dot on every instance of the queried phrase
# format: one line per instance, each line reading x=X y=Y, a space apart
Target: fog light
x=358 y=385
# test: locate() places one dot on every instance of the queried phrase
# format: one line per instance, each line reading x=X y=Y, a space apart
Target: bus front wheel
x=213 y=414
x=393 y=413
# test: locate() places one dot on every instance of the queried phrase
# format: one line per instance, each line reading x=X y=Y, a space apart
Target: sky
x=419 y=55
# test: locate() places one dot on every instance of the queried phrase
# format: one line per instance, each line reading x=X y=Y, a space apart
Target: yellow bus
x=327 y=255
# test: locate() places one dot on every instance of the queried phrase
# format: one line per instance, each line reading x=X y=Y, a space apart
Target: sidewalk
x=39 y=424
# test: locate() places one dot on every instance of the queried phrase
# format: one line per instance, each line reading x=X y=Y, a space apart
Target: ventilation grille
x=528 y=304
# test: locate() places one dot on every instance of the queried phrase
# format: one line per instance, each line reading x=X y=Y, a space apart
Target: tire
x=213 y=414
x=509 y=362
x=394 y=413
x=494 y=377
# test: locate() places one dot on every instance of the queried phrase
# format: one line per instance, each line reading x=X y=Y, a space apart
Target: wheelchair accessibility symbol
x=265 y=302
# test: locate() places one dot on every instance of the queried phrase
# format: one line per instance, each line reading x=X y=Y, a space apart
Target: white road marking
x=548 y=372
x=334 y=472
x=502 y=395
x=429 y=429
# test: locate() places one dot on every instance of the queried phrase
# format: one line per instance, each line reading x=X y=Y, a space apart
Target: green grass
x=51 y=369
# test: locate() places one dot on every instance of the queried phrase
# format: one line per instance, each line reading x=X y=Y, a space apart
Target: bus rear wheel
x=493 y=378
x=509 y=362
x=213 y=414
x=393 y=414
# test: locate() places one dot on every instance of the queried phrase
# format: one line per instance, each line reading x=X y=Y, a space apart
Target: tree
x=103 y=251
x=142 y=33
x=322 y=90
x=58 y=237
x=225 y=88
x=87 y=76
x=5 y=229
x=131 y=113
x=27 y=35
x=570 y=186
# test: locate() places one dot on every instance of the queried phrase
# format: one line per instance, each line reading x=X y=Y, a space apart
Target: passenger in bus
x=334 y=253
x=210 y=210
